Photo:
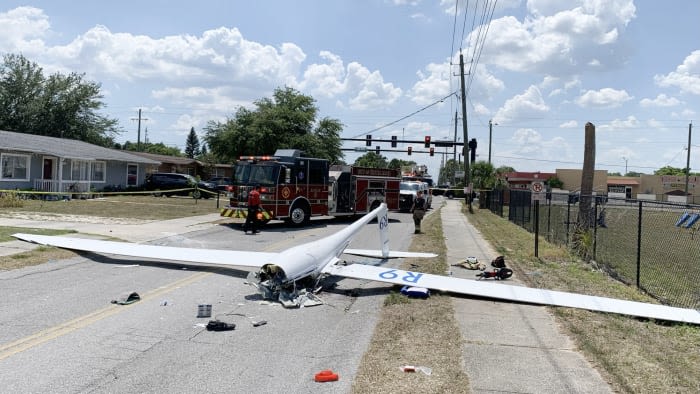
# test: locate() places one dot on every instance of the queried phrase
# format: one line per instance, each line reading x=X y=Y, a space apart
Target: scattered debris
x=500 y=273
x=218 y=325
x=498 y=262
x=204 y=310
x=415 y=292
x=326 y=375
x=259 y=323
x=470 y=263
x=164 y=303
x=410 y=368
x=127 y=299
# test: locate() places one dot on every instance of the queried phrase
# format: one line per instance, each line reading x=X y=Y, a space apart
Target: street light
x=625 y=159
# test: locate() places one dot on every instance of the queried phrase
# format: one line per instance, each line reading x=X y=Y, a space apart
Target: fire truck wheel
x=299 y=214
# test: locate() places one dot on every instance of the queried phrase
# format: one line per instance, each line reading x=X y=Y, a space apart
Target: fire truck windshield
x=264 y=175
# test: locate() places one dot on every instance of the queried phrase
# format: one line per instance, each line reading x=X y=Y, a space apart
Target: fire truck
x=295 y=188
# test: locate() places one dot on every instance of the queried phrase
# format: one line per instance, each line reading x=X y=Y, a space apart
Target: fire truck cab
x=295 y=188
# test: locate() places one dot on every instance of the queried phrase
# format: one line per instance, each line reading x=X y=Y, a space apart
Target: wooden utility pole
x=138 y=134
x=467 y=175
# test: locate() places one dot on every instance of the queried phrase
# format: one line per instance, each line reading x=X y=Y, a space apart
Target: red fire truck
x=295 y=188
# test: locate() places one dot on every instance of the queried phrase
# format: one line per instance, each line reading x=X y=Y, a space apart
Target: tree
x=668 y=170
x=447 y=172
x=634 y=174
x=396 y=164
x=371 y=159
x=149 y=147
x=483 y=175
x=63 y=106
x=192 y=145
x=555 y=183
x=285 y=121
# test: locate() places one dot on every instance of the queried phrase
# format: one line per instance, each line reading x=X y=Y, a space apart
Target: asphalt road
x=61 y=334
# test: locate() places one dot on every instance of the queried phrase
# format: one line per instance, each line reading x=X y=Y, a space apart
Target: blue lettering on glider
x=410 y=277
x=383 y=222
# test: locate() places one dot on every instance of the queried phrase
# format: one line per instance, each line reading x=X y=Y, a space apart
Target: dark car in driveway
x=221 y=182
x=173 y=184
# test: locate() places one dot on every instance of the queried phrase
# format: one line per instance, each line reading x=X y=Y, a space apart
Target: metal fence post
x=639 y=244
x=537 y=227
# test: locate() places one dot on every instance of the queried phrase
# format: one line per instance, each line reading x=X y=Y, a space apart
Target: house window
x=132 y=174
x=99 y=170
x=79 y=170
x=14 y=167
x=94 y=171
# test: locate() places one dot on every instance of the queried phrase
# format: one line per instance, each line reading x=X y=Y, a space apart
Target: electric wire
x=405 y=117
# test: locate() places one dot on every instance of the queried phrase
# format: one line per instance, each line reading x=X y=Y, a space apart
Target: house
x=185 y=165
x=49 y=164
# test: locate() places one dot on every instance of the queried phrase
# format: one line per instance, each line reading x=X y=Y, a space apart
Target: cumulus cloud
x=686 y=77
x=557 y=38
x=661 y=100
x=603 y=98
x=23 y=30
x=526 y=105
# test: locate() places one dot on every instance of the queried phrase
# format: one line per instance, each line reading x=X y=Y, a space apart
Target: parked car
x=222 y=183
x=173 y=184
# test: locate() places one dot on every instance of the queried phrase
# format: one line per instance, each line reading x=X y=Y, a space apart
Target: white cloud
x=23 y=30
x=433 y=86
x=660 y=101
x=369 y=89
x=572 y=124
x=603 y=98
x=686 y=77
x=558 y=38
x=525 y=105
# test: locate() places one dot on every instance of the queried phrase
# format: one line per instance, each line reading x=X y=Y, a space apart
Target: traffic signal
x=393 y=141
x=427 y=141
x=472 y=148
x=410 y=149
x=368 y=140
x=377 y=149
x=432 y=151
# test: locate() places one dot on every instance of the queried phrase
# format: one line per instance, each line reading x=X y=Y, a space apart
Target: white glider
x=279 y=273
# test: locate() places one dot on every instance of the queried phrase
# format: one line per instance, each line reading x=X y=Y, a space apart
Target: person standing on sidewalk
x=418 y=209
x=251 y=220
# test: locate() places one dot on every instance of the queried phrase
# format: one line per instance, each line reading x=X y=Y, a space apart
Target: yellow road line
x=22 y=344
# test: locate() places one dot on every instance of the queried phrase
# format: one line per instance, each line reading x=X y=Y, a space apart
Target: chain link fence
x=652 y=245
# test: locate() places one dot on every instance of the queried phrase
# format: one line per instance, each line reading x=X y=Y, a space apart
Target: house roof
x=65 y=148
x=179 y=160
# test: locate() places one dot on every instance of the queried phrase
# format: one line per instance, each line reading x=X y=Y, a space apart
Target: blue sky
x=543 y=70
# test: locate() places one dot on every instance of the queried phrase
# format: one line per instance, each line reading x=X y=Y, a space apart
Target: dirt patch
x=420 y=333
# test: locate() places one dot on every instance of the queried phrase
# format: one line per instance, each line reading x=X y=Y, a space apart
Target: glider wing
x=515 y=293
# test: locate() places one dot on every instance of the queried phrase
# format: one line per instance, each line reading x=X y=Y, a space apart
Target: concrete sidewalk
x=510 y=347
x=136 y=231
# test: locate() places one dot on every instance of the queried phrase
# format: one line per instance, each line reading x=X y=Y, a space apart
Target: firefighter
x=418 y=209
x=251 y=221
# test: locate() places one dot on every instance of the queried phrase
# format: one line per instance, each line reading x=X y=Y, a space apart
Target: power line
x=405 y=117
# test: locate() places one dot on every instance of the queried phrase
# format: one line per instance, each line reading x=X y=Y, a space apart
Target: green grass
x=124 y=206
x=668 y=254
x=6 y=232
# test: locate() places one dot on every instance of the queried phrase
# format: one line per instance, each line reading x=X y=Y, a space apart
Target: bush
x=11 y=200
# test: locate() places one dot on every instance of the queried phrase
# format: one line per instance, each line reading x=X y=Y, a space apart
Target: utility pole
x=467 y=177
x=687 y=162
x=454 y=153
x=138 y=135
x=490 y=132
